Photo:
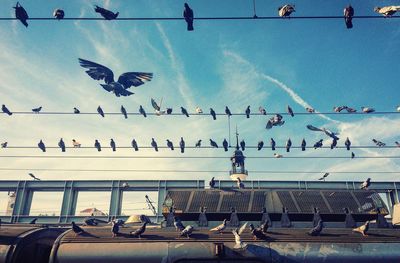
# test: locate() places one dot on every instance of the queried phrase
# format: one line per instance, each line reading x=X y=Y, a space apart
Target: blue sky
x=273 y=63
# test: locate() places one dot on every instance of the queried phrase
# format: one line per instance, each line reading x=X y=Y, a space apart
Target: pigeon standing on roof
x=290 y=111
x=125 y=80
x=220 y=228
x=58 y=14
x=213 y=144
x=316 y=231
x=212 y=112
x=387 y=11
x=189 y=17
x=363 y=229
x=42 y=146
x=212 y=183
x=286 y=10
x=139 y=232
x=318 y=144
x=272 y=143
x=100 y=111
x=316 y=216
x=367 y=109
x=333 y=144
x=123 y=111
x=154 y=144
x=178 y=224
x=61 y=144
x=238 y=241
x=170 y=145
x=21 y=14
x=198 y=144
x=114 y=229
x=76 y=229
x=242 y=145
x=76 y=110
x=225 y=145
x=347 y=143
x=262 y=110
x=97 y=145
x=112 y=145
x=199 y=110
x=184 y=112
x=348 y=16
x=182 y=145
x=379 y=143
x=187 y=231
x=288 y=145
x=303 y=145
x=260 y=145
x=323 y=177
x=34 y=177
x=142 y=111
x=247 y=111
x=37 y=110
x=366 y=184
x=256 y=232
x=107 y=14
x=228 y=111
x=6 y=110
x=239 y=183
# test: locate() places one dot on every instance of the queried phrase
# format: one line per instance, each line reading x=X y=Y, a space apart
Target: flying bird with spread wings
x=157 y=107
x=120 y=87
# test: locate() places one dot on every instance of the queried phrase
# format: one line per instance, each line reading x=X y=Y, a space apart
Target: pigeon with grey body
x=290 y=111
x=318 y=144
x=272 y=143
x=260 y=145
x=97 y=145
x=76 y=110
x=225 y=145
x=286 y=10
x=61 y=144
x=21 y=14
x=142 y=111
x=198 y=144
x=58 y=14
x=187 y=231
x=123 y=111
x=154 y=144
x=228 y=111
x=170 y=145
x=220 y=228
x=134 y=145
x=303 y=145
x=6 y=110
x=347 y=143
x=288 y=145
x=213 y=144
x=213 y=114
x=182 y=145
x=184 y=112
x=387 y=11
x=247 y=111
x=379 y=143
x=139 y=232
x=348 y=16
x=242 y=145
x=316 y=231
x=112 y=145
x=37 y=110
x=42 y=146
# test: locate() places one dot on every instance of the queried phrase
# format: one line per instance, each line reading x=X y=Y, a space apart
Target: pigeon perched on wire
x=303 y=145
x=347 y=143
x=367 y=109
x=112 y=145
x=257 y=233
x=326 y=131
x=198 y=144
x=290 y=111
x=397 y=143
x=34 y=177
x=212 y=183
x=228 y=111
x=184 y=112
x=42 y=146
x=154 y=144
x=76 y=144
x=199 y=110
x=310 y=110
x=323 y=177
x=187 y=231
x=333 y=144
x=123 y=111
x=262 y=110
x=288 y=145
x=353 y=155
x=247 y=111
x=286 y=10
x=169 y=110
x=316 y=231
x=398 y=108
x=272 y=143
x=239 y=183
x=61 y=144
x=260 y=145
x=125 y=80
x=157 y=107
x=366 y=184
x=242 y=145
x=350 y=110
x=142 y=111
x=135 y=145
x=220 y=228
x=178 y=224
x=4 y=145
x=213 y=114
x=318 y=144
x=387 y=11
x=189 y=17
x=76 y=229
x=139 y=232
x=76 y=110
x=348 y=16
x=6 y=110
x=213 y=144
x=379 y=143
x=37 y=110
x=58 y=14
x=277 y=155
x=21 y=14
x=363 y=229
x=97 y=145
x=238 y=241
x=225 y=145
x=170 y=145
x=339 y=108
x=100 y=111
x=182 y=145
x=107 y=14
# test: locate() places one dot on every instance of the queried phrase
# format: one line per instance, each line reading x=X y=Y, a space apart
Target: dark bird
x=220 y=228
x=272 y=143
x=247 y=112
x=333 y=144
x=58 y=14
x=189 y=17
x=316 y=231
x=213 y=144
x=387 y=11
x=347 y=143
x=34 y=177
x=290 y=111
x=6 y=110
x=326 y=131
x=198 y=144
x=379 y=143
x=139 y=232
x=112 y=145
x=37 y=110
x=262 y=110
x=114 y=229
x=348 y=16
x=61 y=144
x=260 y=145
x=239 y=183
x=286 y=10
x=323 y=177
x=275 y=121
x=397 y=143
x=170 y=145
x=363 y=229
x=76 y=110
x=225 y=145
x=212 y=183
x=350 y=110
x=123 y=111
x=97 y=145
x=264 y=227
x=310 y=110
x=154 y=144
x=142 y=111
x=169 y=110
x=125 y=81
x=212 y=113
x=178 y=224
x=242 y=145
x=182 y=145
x=77 y=230
x=288 y=145
x=21 y=14
x=256 y=232
x=100 y=111
x=352 y=155
x=318 y=144
x=228 y=111
x=4 y=145
x=107 y=14
x=303 y=145
x=366 y=184
x=33 y=221
x=187 y=231
x=42 y=146
x=184 y=112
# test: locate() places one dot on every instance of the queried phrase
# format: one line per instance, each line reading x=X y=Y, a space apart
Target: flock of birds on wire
x=284 y=11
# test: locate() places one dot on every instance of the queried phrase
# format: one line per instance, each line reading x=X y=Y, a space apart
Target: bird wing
x=154 y=104
x=124 y=92
x=313 y=128
x=129 y=79
x=217 y=228
x=242 y=228
x=97 y=71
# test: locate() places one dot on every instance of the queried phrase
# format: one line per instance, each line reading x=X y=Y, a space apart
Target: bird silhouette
x=100 y=111
x=333 y=144
x=366 y=184
x=112 y=145
x=272 y=143
x=189 y=17
x=139 y=232
x=125 y=81
x=225 y=145
x=37 y=110
x=318 y=144
x=290 y=111
x=4 y=145
x=228 y=111
x=123 y=111
x=397 y=144
x=198 y=144
x=34 y=177
x=212 y=183
x=247 y=111
x=379 y=143
x=212 y=113
x=339 y=108
x=286 y=10
x=134 y=145
x=303 y=145
x=350 y=110
x=42 y=146
x=107 y=14
x=184 y=112
x=21 y=14
x=182 y=145
x=387 y=11
x=61 y=144
x=114 y=229
x=142 y=111
x=169 y=110
x=58 y=14
x=6 y=110
x=239 y=183
x=76 y=229
x=323 y=177
x=97 y=145
x=213 y=144
x=316 y=231
x=242 y=145
x=353 y=155
x=157 y=108
x=347 y=143
x=348 y=16
x=288 y=145
x=260 y=145
x=154 y=144
x=76 y=110
x=170 y=145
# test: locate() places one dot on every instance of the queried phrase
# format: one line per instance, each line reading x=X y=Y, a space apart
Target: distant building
x=91 y=212
x=10 y=204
